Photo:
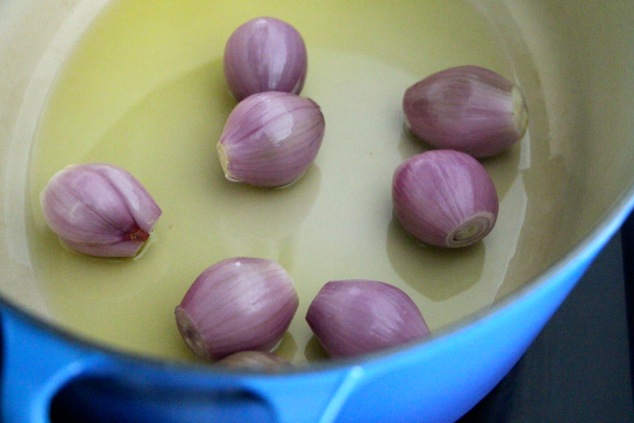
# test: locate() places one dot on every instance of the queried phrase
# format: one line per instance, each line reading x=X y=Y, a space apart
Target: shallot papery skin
x=265 y=54
x=354 y=317
x=237 y=304
x=270 y=139
x=467 y=108
x=99 y=209
x=444 y=198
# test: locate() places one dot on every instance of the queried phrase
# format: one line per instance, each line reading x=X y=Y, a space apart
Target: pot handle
x=321 y=402
x=34 y=363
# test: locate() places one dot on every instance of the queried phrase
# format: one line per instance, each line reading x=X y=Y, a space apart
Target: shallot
x=270 y=139
x=237 y=304
x=467 y=108
x=265 y=54
x=353 y=317
x=444 y=198
x=99 y=209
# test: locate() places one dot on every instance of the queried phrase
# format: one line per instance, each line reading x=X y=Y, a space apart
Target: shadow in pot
x=430 y=270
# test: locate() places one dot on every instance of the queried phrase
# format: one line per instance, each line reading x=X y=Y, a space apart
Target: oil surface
x=144 y=89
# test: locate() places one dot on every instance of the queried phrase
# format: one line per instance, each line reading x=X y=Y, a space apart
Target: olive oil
x=144 y=89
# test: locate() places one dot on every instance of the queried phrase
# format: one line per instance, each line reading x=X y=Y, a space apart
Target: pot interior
x=142 y=86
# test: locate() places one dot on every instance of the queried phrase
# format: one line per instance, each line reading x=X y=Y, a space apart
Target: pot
x=565 y=189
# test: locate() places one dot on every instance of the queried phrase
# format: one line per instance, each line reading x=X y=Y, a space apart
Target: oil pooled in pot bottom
x=144 y=89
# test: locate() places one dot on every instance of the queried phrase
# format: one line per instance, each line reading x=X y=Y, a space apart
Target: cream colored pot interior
x=144 y=88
